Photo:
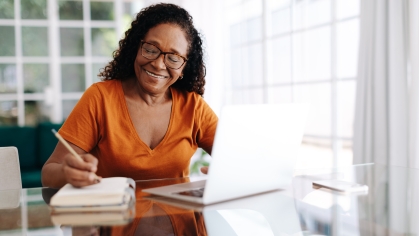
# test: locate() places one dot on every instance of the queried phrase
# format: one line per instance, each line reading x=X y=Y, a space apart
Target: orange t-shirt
x=100 y=124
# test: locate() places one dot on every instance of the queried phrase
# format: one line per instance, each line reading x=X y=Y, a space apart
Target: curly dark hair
x=122 y=65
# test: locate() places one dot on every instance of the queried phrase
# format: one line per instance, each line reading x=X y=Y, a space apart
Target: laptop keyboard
x=199 y=192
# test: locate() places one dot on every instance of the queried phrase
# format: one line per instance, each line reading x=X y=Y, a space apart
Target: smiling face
x=153 y=76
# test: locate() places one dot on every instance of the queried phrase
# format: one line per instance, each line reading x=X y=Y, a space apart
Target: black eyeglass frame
x=164 y=54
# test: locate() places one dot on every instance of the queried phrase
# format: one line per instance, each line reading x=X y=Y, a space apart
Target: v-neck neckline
x=131 y=124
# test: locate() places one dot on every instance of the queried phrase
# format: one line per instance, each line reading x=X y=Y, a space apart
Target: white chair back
x=9 y=169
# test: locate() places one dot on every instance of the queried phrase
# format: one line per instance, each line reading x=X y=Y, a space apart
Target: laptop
x=254 y=151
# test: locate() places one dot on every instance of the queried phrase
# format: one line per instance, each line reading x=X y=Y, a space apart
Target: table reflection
x=389 y=208
x=146 y=217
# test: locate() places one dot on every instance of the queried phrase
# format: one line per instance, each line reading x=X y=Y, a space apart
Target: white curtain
x=386 y=126
x=414 y=84
x=384 y=94
x=414 y=111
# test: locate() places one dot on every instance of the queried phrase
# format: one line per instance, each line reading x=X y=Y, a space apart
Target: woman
x=146 y=118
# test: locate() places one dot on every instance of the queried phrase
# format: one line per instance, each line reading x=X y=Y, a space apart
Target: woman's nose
x=159 y=62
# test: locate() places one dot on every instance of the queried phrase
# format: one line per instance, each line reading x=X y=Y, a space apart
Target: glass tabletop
x=387 y=208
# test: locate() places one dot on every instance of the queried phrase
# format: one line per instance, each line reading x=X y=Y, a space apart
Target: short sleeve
x=207 y=120
x=82 y=125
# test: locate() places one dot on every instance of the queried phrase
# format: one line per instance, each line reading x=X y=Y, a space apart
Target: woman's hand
x=204 y=169
x=80 y=173
x=62 y=168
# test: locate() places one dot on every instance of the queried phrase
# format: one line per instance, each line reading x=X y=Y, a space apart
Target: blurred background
x=257 y=51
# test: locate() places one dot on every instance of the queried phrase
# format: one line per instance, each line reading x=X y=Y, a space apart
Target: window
x=298 y=51
x=51 y=51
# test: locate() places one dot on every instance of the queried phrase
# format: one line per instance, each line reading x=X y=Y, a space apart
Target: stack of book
x=110 y=202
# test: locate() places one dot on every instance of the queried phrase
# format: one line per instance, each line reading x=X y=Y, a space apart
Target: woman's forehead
x=169 y=38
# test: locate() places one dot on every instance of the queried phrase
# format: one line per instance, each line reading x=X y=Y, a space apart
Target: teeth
x=155 y=76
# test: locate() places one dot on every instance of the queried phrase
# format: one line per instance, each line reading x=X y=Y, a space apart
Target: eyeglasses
x=171 y=59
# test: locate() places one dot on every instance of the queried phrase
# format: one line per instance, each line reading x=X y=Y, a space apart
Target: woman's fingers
x=204 y=169
x=80 y=172
x=92 y=160
x=79 y=178
x=87 y=162
x=81 y=183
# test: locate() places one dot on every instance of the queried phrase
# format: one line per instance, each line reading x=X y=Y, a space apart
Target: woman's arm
x=204 y=169
x=62 y=168
x=81 y=124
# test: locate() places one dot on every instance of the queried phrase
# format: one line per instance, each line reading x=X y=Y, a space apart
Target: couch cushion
x=46 y=141
x=31 y=179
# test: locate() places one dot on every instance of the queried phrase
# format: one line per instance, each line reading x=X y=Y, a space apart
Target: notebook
x=111 y=194
x=254 y=151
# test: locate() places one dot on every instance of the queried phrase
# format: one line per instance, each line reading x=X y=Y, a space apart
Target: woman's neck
x=133 y=90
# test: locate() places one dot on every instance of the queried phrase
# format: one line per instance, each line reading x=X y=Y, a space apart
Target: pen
x=71 y=150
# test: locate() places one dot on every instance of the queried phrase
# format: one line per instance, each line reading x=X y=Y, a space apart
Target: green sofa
x=34 y=144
